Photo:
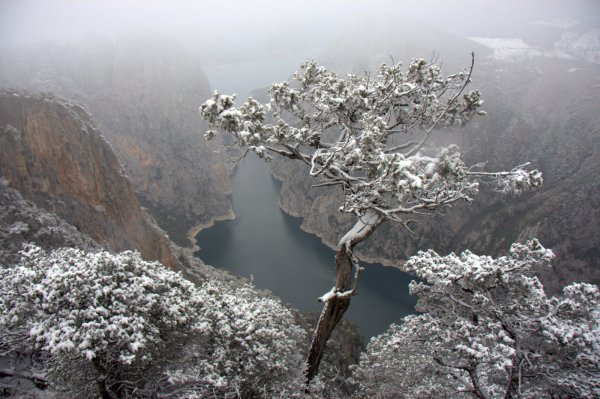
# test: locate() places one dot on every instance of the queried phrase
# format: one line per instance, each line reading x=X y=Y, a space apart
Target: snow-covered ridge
x=515 y=49
x=585 y=46
x=563 y=23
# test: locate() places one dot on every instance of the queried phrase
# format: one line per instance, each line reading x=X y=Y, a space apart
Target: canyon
x=53 y=155
x=144 y=92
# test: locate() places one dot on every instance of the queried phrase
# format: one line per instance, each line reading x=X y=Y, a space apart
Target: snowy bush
x=254 y=347
x=489 y=331
x=115 y=311
x=116 y=325
x=22 y=221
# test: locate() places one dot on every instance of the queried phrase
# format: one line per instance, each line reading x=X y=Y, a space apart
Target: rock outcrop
x=143 y=92
x=53 y=155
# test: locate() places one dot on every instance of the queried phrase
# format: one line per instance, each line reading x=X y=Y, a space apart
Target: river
x=268 y=246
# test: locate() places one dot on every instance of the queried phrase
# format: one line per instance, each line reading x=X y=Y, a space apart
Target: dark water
x=266 y=244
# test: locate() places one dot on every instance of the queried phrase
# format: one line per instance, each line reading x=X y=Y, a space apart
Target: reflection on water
x=266 y=244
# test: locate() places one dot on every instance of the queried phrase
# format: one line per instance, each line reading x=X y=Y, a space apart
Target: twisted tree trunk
x=337 y=300
x=332 y=312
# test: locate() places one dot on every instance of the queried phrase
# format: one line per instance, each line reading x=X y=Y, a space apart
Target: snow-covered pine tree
x=367 y=135
x=253 y=349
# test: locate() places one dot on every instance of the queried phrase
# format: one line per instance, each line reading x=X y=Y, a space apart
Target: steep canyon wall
x=53 y=155
x=143 y=91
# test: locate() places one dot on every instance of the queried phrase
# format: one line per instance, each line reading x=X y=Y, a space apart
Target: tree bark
x=332 y=312
x=101 y=380
x=335 y=307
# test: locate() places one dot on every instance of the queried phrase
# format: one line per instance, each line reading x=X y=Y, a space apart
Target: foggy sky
x=237 y=28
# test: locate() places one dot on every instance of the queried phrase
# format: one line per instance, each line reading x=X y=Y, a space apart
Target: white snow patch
x=515 y=49
x=363 y=226
x=327 y=296
x=501 y=42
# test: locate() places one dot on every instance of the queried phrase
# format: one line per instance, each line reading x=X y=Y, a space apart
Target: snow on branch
x=335 y=293
x=358 y=133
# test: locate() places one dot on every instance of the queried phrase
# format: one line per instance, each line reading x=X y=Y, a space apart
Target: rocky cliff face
x=143 y=92
x=542 y=110
x=53 y=154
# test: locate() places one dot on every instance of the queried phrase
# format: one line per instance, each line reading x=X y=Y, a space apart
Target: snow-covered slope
x=515 y=49
x=585 y=46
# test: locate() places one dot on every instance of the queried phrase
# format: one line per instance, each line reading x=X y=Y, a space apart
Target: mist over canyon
x=102 y=146
x=540 y=95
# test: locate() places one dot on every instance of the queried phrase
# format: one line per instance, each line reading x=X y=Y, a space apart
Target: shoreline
x=193 y=231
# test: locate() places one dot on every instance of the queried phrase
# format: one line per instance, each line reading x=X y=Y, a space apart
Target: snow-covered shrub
x=116 y=311
x=21 y=222
x=254 y=347
x=116 y=325
x=489 y=331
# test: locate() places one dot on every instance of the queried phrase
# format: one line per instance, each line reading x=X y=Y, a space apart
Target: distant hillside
x=365 y=49
x=143 y=91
